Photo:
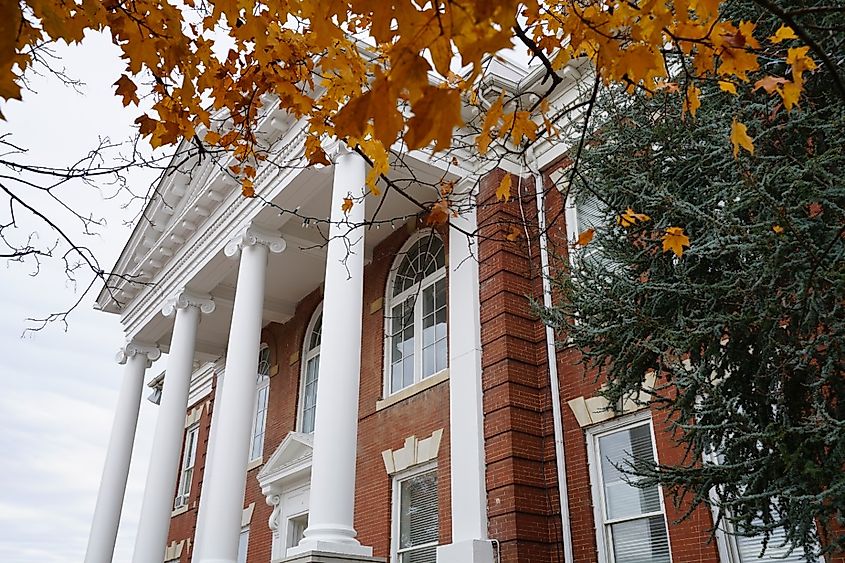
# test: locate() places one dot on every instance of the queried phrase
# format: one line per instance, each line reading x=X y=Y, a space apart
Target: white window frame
x=390 y=301
x=189 y=462
x=307 y=355
x=605 y=553
x=396 y=505
x=261 y=384
x=244 y=530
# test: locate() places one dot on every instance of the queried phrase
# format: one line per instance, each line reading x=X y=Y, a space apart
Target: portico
x=222 y=267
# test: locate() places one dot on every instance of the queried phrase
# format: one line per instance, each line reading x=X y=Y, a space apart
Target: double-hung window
x=310 y=372
x=631 y=522
x=415 y=517
x=416 y=313
x=259 y=424
x=189 y=458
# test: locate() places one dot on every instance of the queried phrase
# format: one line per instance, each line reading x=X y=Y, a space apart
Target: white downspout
x=551 y=354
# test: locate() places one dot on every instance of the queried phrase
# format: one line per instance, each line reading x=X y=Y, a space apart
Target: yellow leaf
x=630 y=217
x=740 y=138
x=585 y=237
x=491 y=118
x=436 y=114
x=783 y=33
x=346 y=206
x=212 y=138
x=247 y=188
x=790 y=93
x=503 y=192
x=777 y=229
x=513 y=233
x=675 y=239
x=692 y=102
x=727 y=87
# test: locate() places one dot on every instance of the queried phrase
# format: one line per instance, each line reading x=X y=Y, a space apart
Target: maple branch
x=808 y=39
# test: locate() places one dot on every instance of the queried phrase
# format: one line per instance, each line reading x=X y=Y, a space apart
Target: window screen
x=418 y=527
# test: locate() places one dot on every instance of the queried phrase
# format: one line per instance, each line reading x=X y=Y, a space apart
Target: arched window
x=416 y=313
x=310 y=371
x=259 y=423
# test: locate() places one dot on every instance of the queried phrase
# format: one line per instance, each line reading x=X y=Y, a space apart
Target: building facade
x=359 y=386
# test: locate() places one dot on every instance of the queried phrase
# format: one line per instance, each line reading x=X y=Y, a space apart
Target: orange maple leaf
x=346 y=206
x=585 y=237
x=247 y=188
x=674 y=239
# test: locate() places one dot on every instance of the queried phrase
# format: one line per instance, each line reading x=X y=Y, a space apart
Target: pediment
x=291 y=458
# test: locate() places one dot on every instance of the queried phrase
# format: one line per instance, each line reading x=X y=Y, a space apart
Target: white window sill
x=255 y=463
x=412 y=390
x=181 y=510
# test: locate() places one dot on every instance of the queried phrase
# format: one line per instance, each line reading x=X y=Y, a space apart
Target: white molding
x=415 y=452
x=413 y=389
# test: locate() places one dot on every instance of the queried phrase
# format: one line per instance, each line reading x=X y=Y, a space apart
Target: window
x=416 y=313
x=631 y=524
x=296 y=529
x=189 y=458
x=310 y=372
x=243 y=544
x=415 y=518
x=259 y=424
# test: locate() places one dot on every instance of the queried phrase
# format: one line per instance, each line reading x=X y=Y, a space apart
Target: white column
x=466 y=410
x=336 y=420
x=157 y=504
x=137 y=359
x=209 y=455
x=224 y=486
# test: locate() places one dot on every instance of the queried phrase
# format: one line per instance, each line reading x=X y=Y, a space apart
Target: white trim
x=596 y=480
x=395 y=504
x=260 y=384
x=390 y=301
x=413 y=389
x=305 y=356
x=183 y=494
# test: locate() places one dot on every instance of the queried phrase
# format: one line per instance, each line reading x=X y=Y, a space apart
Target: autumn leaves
x=673 y=239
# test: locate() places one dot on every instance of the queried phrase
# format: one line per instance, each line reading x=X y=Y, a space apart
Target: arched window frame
x=262 y=405
x=417 y=289
x=307 y=356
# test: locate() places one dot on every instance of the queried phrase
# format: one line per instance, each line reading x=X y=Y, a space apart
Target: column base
x=317 y=556
x=467 y=551
x=339 y=549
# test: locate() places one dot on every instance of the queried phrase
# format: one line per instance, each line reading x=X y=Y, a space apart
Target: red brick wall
x=378 y=430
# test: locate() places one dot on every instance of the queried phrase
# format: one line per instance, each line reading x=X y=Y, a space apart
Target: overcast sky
x=59 y=389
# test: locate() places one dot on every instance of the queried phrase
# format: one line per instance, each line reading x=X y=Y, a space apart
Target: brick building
x=345 y=393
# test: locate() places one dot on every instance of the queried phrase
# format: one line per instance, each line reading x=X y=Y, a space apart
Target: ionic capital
x=336 y=149
x=183 y=299
x=251 y=235
x=132 y=349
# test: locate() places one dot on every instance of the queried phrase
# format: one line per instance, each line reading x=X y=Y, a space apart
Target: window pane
x=429 y=361
x=408 y=371
x=441 y=353
x=640 y=541
x=424 y=258
x=428 y=300
x=296 y=529
x=396 y=377
x=623 y=500
x=314 y=340
x=418 y=513
x=428 y=330
x=440 y=323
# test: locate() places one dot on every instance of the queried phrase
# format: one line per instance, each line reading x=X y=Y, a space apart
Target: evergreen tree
x=745 y=330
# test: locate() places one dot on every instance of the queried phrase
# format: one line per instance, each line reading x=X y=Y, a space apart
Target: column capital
x=183 y=299
x=335 y=149
x=251 y=235
x=132 y=349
